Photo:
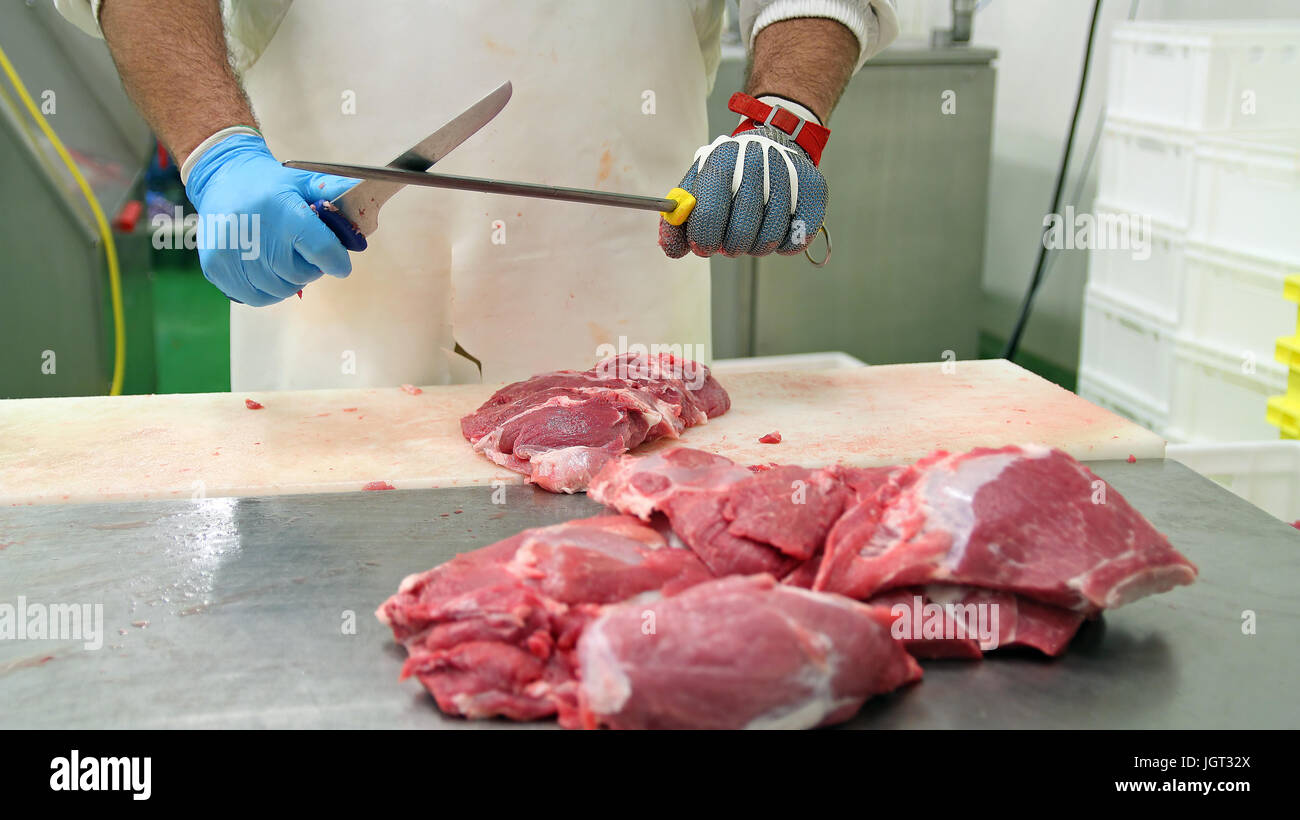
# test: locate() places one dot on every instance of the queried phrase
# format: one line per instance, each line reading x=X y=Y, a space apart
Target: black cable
x=1086 y=167
x=1077 y=195
x=1013 y=341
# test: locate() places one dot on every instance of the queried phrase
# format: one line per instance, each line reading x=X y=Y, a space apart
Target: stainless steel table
x=235 y=613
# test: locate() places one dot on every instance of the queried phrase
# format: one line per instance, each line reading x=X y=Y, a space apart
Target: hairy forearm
x=171 y=55
x=808 y=60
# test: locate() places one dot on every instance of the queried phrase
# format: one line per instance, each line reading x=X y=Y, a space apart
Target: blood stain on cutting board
x=24 y=663
x=606 y=166
x=599 y=334
x=498 y=48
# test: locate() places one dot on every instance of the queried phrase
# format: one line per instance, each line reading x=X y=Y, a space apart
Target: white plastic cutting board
x=180 y=446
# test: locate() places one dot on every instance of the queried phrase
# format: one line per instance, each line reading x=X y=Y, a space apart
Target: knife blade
x=676 y=206
x=355 y=215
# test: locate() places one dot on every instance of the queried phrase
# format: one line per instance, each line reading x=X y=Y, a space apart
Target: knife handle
x=351 y=238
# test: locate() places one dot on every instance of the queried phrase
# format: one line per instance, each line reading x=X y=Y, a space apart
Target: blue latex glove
x=239 y=178
x=737 y=214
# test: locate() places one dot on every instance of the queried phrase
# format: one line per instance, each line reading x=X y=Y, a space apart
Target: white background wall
x=1040 y=49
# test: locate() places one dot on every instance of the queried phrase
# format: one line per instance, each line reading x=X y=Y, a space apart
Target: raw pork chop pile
x=775 y=597
x=560 y=428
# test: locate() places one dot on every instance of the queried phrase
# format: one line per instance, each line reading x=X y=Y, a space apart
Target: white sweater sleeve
x=873 y=22
x=84 y=14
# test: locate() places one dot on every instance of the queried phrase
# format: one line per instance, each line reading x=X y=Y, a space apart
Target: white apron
x=567 y=278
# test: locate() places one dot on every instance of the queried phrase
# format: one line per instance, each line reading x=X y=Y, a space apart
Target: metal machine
x=908 y=200
x=56 y=332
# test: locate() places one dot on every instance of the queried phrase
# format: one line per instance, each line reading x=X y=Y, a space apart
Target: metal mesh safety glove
x=756 y=191
x=259 y=240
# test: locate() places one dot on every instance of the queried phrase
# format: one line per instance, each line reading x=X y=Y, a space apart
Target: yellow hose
x=110 y=250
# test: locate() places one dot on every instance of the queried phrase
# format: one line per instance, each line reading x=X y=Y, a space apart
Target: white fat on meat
x=605 y=685
x=820 y=703
x=947 y=502
x=817 y=675
x=574 y=462
x=1150 y=581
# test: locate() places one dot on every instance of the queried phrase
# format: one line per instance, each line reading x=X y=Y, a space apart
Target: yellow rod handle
x=685 y=204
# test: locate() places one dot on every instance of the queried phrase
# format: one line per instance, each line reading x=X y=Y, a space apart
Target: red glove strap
x=810 y=136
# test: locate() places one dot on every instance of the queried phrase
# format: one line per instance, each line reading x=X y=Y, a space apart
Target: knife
x=675 y=208
x=355 y=215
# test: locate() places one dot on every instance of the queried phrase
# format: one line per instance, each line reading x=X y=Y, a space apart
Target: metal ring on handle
x=826 y=258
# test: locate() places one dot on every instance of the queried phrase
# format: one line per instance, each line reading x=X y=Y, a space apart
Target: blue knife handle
x=340 y=225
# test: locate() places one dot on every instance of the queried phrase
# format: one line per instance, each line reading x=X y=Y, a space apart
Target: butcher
x=459 y=286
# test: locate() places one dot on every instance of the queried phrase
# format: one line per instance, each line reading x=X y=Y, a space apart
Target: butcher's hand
x=755 y=193
x=272 y=242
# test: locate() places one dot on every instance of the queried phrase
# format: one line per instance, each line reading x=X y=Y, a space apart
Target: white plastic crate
x=1247 y=192
x=1095 y=388
x=1233 y=301
x=1216 y=396
x=1128 y=349
x=1265 y=473
x=1208 y=74
x=1153 y=283
x=1148 y=168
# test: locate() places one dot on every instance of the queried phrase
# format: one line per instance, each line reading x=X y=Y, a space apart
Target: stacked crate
x=1200 y=152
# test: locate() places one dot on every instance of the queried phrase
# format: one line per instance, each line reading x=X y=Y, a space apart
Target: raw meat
x=862 y=482
x=738 y=521
x=491 y=631
x=671 y=615
x=642 y=485
x=968 y=621
x=560 y=428
x=742 y=652
x=1026 y=520
x=788 y=507
x=698 y=519
x=949 y=638
x=1023 y=519
x=1044 y=627
x=773 y=437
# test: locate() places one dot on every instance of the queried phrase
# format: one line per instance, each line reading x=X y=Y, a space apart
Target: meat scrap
x=560 y=428
x=491 y=632
x=735 y=653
